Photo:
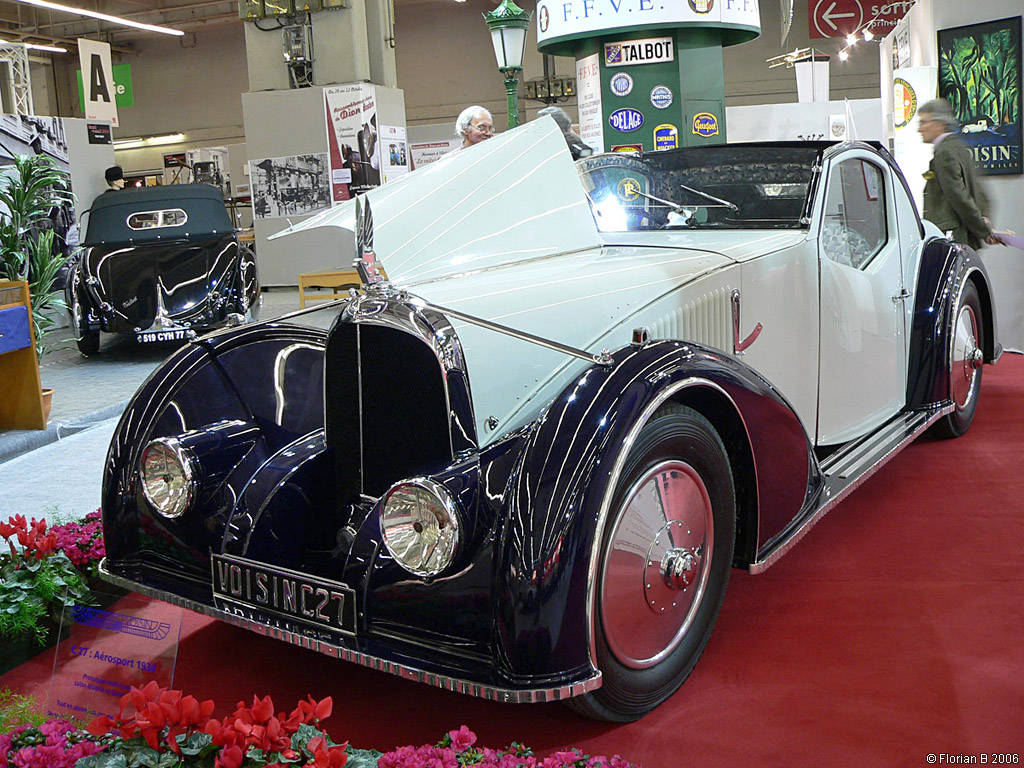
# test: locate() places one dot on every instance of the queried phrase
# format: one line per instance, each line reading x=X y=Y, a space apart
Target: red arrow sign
x=838 y=18
x=834 y=18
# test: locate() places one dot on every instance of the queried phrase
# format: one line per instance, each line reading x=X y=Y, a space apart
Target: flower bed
x=163 y=728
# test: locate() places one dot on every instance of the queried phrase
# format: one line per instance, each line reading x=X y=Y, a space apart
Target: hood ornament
x=366 y=263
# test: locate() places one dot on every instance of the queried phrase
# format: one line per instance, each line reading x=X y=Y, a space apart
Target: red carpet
x=895 y=629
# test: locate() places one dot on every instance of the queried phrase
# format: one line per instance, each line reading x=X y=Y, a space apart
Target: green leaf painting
x=980 y=76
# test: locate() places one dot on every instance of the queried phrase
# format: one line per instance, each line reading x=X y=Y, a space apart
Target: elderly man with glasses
x=474 y=125
x=953 y=198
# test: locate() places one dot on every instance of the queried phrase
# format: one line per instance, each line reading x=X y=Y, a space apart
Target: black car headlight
x=168 y=473
x=420 y=525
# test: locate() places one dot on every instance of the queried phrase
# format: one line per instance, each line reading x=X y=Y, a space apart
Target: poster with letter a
x=980 y=76
x=97 y=80
x=352 y=138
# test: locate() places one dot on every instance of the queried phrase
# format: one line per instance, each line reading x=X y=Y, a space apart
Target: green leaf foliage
x=29 y=190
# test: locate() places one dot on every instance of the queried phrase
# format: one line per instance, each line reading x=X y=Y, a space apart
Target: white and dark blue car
x=523 y=467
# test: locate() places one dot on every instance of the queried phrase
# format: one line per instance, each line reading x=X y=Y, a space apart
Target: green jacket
x=953 y=198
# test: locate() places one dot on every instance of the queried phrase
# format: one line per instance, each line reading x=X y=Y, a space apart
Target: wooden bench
x=336 y=281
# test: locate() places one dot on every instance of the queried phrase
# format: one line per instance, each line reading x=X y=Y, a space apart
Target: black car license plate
x=284 y=593
x=175 y=334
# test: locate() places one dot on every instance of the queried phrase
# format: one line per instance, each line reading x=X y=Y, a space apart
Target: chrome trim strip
x=491 y=693
x=763 y=565
x=614 y=473
x=740 y=347
x=861 y=455
x=602 y=359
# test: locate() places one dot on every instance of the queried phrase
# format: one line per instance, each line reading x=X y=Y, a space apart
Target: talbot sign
x=650 y=51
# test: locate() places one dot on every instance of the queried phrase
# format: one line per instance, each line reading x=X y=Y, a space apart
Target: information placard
x=103 y=652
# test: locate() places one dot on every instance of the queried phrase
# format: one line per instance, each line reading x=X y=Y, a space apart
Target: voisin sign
x=559 y=22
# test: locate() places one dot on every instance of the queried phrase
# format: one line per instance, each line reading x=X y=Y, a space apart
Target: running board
x=846 y=469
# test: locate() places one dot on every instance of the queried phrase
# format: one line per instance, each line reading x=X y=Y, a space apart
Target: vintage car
x=161 y=263
x=523 y=467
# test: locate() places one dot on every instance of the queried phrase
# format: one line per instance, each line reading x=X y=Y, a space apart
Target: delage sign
x=559 y=22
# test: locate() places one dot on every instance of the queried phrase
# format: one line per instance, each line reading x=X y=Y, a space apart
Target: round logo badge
x=661 y=96
x=702 y=6
x=628 y=190
x=621 y=84
x=626 y=119
x=904 y=102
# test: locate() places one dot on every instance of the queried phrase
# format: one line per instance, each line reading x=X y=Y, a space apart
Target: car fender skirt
x=556 y=503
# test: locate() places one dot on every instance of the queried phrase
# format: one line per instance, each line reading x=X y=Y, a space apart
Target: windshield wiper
x=731 y=206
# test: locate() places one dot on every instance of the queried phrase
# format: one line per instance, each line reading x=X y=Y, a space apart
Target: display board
x=980 y=76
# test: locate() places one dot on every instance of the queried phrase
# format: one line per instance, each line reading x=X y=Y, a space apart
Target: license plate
x=284 y=593
x=176 y=334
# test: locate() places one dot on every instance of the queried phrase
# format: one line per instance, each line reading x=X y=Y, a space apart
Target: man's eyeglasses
x=482 y=128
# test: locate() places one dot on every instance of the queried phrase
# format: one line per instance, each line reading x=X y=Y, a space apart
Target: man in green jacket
x=953 y=198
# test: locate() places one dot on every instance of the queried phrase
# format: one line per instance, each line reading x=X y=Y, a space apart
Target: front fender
x=558 y=499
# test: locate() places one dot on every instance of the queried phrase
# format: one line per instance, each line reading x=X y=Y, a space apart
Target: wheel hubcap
x=967 y=358
x=656 y=564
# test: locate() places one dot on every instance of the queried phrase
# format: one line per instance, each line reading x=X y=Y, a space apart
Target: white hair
x=466 y=117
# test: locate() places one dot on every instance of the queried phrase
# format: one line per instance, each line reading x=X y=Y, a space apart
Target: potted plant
x=30 y=190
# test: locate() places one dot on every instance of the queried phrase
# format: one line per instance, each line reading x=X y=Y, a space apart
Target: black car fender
x=945 y=268
x=557 y=499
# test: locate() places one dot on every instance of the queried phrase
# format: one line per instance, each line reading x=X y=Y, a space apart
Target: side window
x=855 y=226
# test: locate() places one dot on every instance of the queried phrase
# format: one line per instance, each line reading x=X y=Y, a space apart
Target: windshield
x=718 y=187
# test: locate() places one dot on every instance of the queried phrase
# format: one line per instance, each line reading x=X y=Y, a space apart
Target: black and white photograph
x=288 y=186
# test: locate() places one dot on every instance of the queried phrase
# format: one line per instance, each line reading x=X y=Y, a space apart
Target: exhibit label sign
x=124 y=95
x=98 y=81
x=101 y=653
x=560 y=21
x=980 y=76
x=588 y=90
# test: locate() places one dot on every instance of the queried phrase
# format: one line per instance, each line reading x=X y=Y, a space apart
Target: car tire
x=666 y=555
x=88 y=342
x=965 y=359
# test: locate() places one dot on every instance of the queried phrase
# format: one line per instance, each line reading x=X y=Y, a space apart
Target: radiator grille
x=404 y=424
x=706 y=320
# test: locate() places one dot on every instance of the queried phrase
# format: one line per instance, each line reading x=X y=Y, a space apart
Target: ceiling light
x=851 y=38
x=843 y=55
x=869 y=35
x=102 y=16
x=50 y=48
x=148 y=141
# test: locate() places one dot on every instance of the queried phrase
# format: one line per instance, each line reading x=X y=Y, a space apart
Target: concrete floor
x=56 y=473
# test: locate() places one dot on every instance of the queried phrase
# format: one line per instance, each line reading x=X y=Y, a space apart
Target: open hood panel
x=516 y=197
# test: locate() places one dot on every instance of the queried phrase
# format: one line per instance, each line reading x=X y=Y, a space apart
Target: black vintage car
x=161 y=263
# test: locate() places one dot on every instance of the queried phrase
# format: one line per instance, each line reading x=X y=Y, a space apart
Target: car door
x=862 y=353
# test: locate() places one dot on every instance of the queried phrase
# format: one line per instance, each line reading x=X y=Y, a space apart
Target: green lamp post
x=508 y=23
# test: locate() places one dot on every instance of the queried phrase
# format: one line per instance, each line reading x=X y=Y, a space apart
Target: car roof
x=160 y=193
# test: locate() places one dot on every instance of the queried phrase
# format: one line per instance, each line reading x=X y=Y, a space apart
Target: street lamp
x=508 y=23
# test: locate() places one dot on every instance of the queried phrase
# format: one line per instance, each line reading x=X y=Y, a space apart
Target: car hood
x=590 y=300
x=513 y=198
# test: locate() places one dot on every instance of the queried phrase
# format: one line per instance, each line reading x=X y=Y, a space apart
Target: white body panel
x=503 y=231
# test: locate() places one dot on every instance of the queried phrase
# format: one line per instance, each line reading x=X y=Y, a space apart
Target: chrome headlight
x=420 y=526
x=168 y=474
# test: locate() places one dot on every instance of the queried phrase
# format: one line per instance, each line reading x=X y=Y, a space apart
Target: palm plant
x=29 y=190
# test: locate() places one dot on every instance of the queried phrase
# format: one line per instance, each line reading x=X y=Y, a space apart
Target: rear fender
x=945 y=268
